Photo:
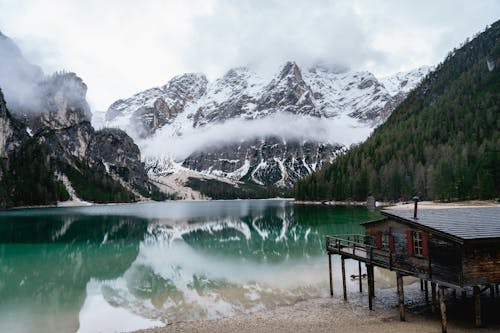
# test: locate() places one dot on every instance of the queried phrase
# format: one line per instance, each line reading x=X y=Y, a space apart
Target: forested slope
x=441 y=143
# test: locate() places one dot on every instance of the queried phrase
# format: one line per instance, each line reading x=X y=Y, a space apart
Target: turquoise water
x=126 y=267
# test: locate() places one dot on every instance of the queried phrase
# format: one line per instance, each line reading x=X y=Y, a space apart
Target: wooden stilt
x=399 y=280
x=433 y=297
x=492 y=291
x=330 y=270
x=464 y=294
x=477 y=306
x=421 y=285
x=497 y=287
x=442 y=305
x=360 y=280
x=343 y=279
x=373 y=280
x=369 y=285
x=426 y=291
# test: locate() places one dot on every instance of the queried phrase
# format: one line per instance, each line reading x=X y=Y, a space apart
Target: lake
x=110 y=268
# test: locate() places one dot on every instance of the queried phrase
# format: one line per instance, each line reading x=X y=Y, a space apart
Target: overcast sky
x=122 y=47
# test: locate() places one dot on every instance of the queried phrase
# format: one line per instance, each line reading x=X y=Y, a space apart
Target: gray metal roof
x=464 y=223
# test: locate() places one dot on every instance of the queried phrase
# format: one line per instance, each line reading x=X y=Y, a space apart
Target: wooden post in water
x=401 y=296
x=369 y=285
x=426 y=292
x=421 y=285
x=433 y=297
x=330 y=270
x=343 y=279
x=360 y=280
x=442 y=305
x=477 y=306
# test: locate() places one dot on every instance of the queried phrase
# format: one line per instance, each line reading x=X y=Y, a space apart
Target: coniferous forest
x=441 y=143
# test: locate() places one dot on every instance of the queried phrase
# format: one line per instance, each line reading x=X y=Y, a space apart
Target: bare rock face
x=117 y=152
x=12 y=133
x=288 y=92
x=154 y=108
x=265 y=161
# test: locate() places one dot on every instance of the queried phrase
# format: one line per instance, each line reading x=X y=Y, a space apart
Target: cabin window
x=418 y=247
x=385 y=240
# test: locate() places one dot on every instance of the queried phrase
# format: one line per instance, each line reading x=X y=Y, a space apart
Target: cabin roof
x=464 y=223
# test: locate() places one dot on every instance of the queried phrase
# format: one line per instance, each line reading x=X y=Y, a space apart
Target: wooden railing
x=361 y=247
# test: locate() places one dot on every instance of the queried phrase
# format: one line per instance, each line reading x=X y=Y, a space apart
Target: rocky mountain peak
x=186 y=87
x=62 y=103
x=291 y=72
x=288 y=92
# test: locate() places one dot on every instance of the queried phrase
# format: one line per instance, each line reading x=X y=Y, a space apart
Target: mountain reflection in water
x=124 y=267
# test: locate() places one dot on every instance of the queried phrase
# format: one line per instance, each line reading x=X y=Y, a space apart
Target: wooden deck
x=362 y=248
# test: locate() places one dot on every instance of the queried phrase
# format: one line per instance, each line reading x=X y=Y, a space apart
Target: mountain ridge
x=320 y=97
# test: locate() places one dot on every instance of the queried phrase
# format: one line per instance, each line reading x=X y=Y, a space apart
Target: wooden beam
x=433 y=297
x=426 y=292
x=330 y=270
x=372 y=268
x=360 y=280
x=369 y=285
x=343 y=279
x=477 y=306
x=401 y=296
x=442 y=305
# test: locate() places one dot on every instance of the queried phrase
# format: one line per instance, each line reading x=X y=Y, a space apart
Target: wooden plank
x=360 y=280
x=330 y=270
x=343 y=279
x=433 y=297
x=370 y=296
x=372 y=269
x=426 y=291
x=401 y=297
x=442 y=305
x=477 y=306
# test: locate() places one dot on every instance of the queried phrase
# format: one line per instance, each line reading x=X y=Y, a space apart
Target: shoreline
x=334 y=315
x=386 y=205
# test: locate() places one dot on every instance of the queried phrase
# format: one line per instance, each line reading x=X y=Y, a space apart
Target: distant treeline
x=441 y=143
x=222 y=191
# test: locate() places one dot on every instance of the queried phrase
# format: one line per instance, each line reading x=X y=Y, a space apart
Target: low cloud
x=339 y=130
x=118 y=52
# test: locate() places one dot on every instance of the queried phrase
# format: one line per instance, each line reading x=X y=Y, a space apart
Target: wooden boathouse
x=455 y=248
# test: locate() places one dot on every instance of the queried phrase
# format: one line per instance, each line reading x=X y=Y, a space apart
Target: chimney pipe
x=415 y=199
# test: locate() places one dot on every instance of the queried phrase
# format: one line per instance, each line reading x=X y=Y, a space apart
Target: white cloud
x=121 y=47
x=339 y=130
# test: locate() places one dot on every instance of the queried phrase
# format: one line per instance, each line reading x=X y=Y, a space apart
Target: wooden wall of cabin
x=481 y=262
x=441 y=260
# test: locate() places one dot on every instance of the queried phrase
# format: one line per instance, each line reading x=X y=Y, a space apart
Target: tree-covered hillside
x=441 y=143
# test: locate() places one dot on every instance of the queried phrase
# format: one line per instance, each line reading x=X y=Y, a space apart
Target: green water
x=125 y=267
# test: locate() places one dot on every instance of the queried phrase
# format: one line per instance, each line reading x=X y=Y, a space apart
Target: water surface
x=124 y=267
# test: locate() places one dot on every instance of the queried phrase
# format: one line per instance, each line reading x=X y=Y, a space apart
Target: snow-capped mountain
x=247 y=128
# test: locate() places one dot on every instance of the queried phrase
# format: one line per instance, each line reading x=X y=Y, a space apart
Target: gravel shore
x=332 y=315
